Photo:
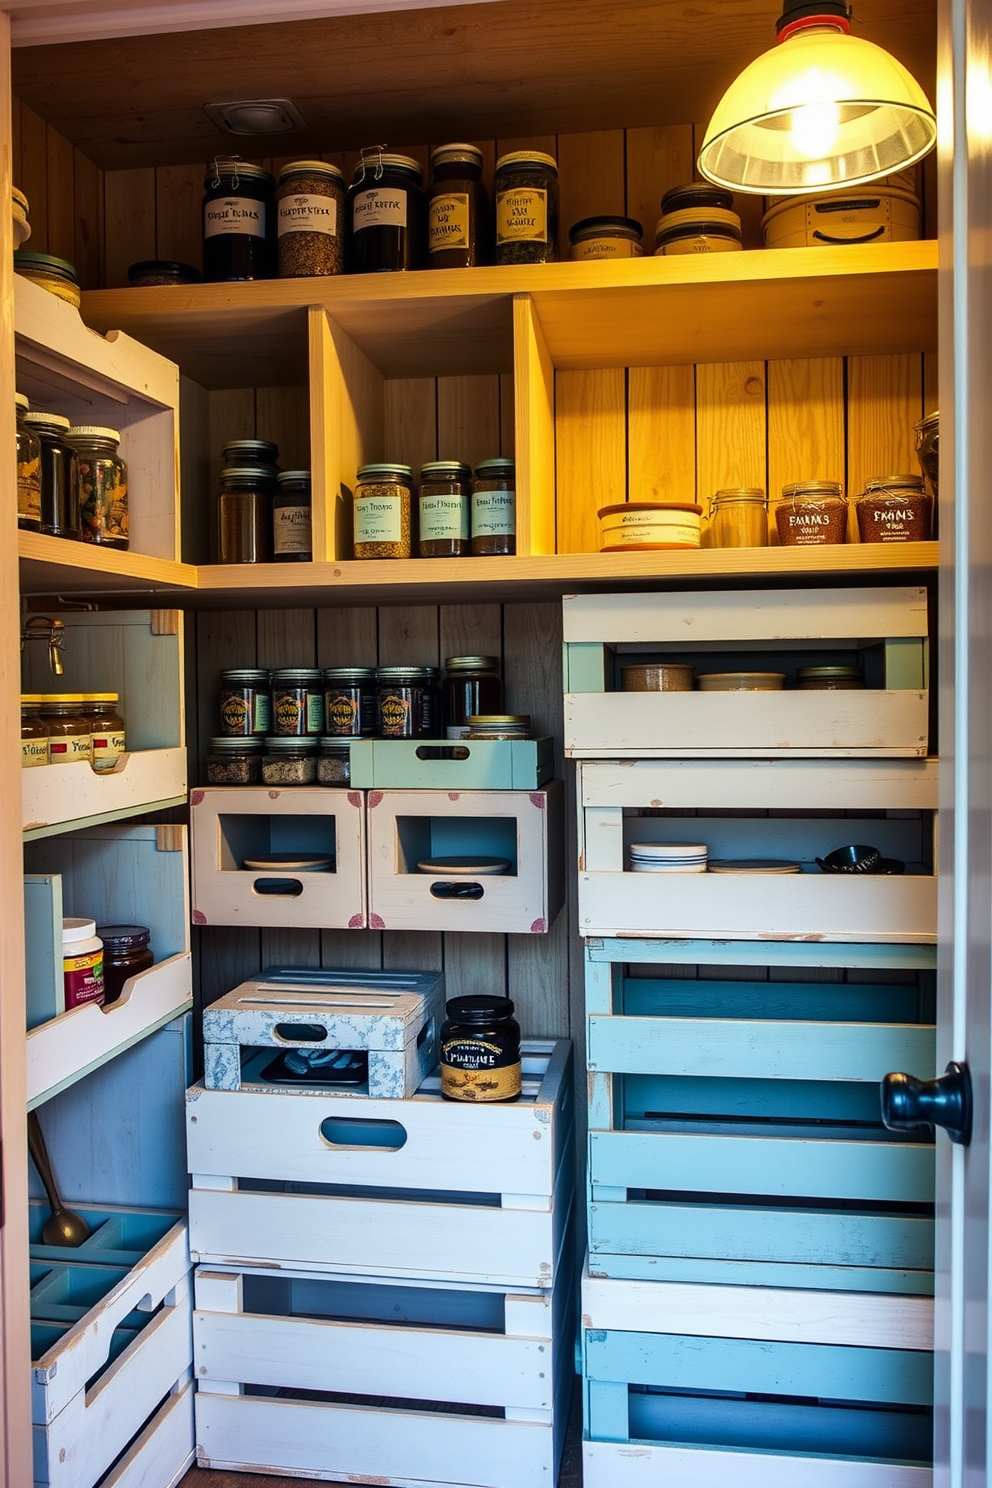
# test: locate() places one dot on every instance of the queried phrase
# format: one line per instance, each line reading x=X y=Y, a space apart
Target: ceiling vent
x=255 y=116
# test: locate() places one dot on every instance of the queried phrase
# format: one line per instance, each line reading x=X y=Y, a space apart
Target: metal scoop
x=64 y=1226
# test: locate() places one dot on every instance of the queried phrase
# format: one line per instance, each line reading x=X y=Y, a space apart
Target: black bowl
x=857 y=857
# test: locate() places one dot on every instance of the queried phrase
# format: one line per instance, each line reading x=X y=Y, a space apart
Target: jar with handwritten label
x=894 y=509
x=239 y=236
x=457 y=209
x=381 y=514
x=526 y=208
x=443 y=508
x=292 y=540
x=811 y=514
x=494 y=508
x=69 y=735
x=310 y=217
x=387 y=214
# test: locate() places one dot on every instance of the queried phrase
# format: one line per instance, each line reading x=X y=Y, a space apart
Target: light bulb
x=815 y=128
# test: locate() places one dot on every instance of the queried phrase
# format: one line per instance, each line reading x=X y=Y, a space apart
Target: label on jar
x=29 y=489
x=474 y=1070
x=902 y=521
x=234 y=214
x=494 y=513
x=448 y=222
x=396 y=713
x=377 y=521
x=308 y=213
x=443 y=517
x=702 y=244
x=811 y=529
x=378 y=207
x=83 y=977
x=522 y=215
x=606 y=248
x=107 y=749
x=344 y=712
x=291 y=530
x=66 y=751
x=34 y=752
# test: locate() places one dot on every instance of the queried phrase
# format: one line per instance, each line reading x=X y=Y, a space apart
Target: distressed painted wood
x=644 y=1465
x=160 y=1454
x=792 y=785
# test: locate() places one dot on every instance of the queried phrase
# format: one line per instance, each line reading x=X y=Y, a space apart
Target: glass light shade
x=821 y=109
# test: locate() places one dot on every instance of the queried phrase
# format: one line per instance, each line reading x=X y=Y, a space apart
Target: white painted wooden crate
x=474 y=1193
x=162 y=1452
x=393 y=1016
x=230 y=824
x=884 y=628
x=526 y=827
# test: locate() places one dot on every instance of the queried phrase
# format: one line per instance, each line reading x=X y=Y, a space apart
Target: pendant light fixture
x=823 y=108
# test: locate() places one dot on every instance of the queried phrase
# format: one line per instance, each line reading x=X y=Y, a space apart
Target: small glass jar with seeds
x=443 y=510
x=526 y=208
x=310 y=216
x=494 y=509
x=382 y=511
x=333 y=762
x=234 y=761
x=289 y=761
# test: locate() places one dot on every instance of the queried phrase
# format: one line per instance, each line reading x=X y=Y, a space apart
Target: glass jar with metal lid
x=126 y=952
x=259 y=454
x=234 y=761
x=238 y=222
x=480 y=1050
x=526 y=208
x=928 y=450
x=457 y=209
x=382 y=503
x=57 y=275
x=245 y=702
x=405 y=702
x=829 y=678
x=349 y=702
x=289 y=761
x=697 y=218
x=494 y=508
x=69 y=737
x=59 y=475
x=606 y=237
x=894 y=509
x=472 y=685
x=292 y=540
x=811 y=514
x=739 y=518
x=161 y=272
x=28 y=469
x=387 y=214
x=333 y=762
x=244 y=515
x=444 y=509
x=34 y=731
x=498 y=726
x=298 y=701
x=103 y=499
x=107 y=736
x=310 y=210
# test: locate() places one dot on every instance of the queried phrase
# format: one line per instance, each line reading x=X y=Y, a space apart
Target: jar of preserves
x=126 y=951
x=244 y=515
x=605 y=237
x=894 y=509
x=697 y=218
x=526 y=208
x=494 y=508
x=298 y=701
x=103 y=501
x=457 y=209
x=472 y=685
x=238 y=222
x=59 y=475
x=107 y=735
x=333 y=762
x=82 y=963
x=69 y=736
x=928 y=450
x=387 y=214
x=349 y=702
x=382 y=511
x=310 y=202
x=289 y=762
x=255 y=454
x=34 y=732
x=480 y=1050
x=234 y=761
x=291 y=530
x=404 y=702
x=57 y=275
x=739 y=518
x=160 y=272
x=28 y=469
x=498 y=726
x=811 y=514
x=444 y=509
x=245 y=702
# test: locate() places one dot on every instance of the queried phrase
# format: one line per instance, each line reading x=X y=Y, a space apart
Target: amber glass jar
x=349 y=702
x=472 y=685
x=245 y=702
x=494 y=508
x=244 y=515
x=107 y=735
x=103 y=498
x=444 y=510
x=480 y=1051
x=28 y=469
x=68 y=723
x=298 y=702
x=126 y=951
x=381 y=515
x=811 y=514
x=34 y=732
x=405 y=702
x=457 y=209
x=894 y=509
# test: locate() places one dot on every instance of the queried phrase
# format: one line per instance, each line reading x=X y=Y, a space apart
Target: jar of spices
x=126 y=952
x=739 y=518
x=28 y=469
x=57 y=275
x=349 y=702
x=107 y=735
x=811 y=514
x=34 y=732
x=404 y=701
x=457 y=209
x=697 y=218
x=480 y=1050
x=472 y=685
x=310 y=202
x=82 y=963
x=244 y=515
x=160 y=272
x=238 y=222
x=291 y=530
x=103 y=501
x=333 y=762
x=894 y=509
x=234 y=761
x=256 y=454
x=928 y=450
x=289 y=762
x=69 y=736
x=387 y=214
x=298 y=701
x=245 y=702
x=59 y=475
x=382 y=511
x=443 y=509
x=526 y=208
x=605 y=237
x=494 y=508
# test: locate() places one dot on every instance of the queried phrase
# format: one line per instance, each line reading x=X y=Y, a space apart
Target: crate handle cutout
x=300 y=1033
x=460 y=890
x=362 y=1131
x=442 y=752
x=290 y=887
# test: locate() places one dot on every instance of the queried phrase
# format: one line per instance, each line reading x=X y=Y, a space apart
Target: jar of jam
x=457 y=209
x=239 y=229
x=811 y=514
x=480 y=1051
x=34 y=732
x=234 y=761
x=472 y=685
x=526 y=208
x=404 y=701
x=298 y=702
x=59 y=475
x=69 y=736
x=494 y=508
x=387 y=214
x=443 y=509
x=928 y=450
x=291 y=531
x=126 y=951
x=106 y=730
x=103 y=510
x=244 y=515
x=245 y=702
x=350 y=702
x=289 y=762
x=894 y=509
x=28 y=469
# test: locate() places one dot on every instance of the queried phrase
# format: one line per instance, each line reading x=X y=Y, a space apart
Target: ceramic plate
x=465 y=867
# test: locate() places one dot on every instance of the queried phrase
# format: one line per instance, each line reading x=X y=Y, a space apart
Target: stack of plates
x=754 y=865
x=668 y=857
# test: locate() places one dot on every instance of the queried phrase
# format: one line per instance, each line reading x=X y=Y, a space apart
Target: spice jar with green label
x=526 y=208
x=382 y=511
x=457 y=209
x=298 y=701
x=494 y=508
x=28 y=469
x=245 y=702
x=443 y=509
x=103 y=500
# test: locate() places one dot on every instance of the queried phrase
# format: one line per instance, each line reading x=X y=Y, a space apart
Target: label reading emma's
x=443 y=517
x=477 y=1070
x=234 y=214
x=291 y=529
x=522 y=215
x=377 y=520
x=448 y=222
x=494 y=513
x=310 y=214
x=379 y=207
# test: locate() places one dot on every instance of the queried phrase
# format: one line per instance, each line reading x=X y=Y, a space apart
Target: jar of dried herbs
x=526 y=208
x=387 y=214
x=443 y=509
x=103 y=509
x=310 y=202
x=382 y=511
x=160 y=272
x=291 y=530
x=494 y=508
x=28 y=469
x=289 y=762
x=239 y=237
x=739 y=518
x=894 y=509
x=457 y=209
x=811 y=514
x=244 y=513
x=59 y=475
x=234 y=761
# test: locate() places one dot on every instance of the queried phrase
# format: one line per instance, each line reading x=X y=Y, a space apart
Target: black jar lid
x=124 y=937
x=182 y=273
x=45 y=263
x=369 y=169
x=226 y=169
x=293 y=478
x=479 y=1009
x=593 y=227
x=257 y=473
x=696 y=194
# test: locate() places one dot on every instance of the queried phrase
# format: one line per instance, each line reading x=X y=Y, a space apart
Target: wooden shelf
x=56 y=565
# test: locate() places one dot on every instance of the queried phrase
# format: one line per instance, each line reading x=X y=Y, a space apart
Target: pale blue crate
x=452 y=764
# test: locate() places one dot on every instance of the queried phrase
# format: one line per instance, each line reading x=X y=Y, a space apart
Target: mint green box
x=452 y=764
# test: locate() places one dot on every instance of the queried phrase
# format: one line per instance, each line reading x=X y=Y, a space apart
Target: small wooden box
x=524 y=827
x=453 y=764
x=231 y=824
x=395 y=1016
x=162 y=1452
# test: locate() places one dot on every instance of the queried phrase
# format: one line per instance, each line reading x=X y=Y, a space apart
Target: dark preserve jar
x=245 y=702
x=480 y=1050
x=457 y=209
x=526 y=208
x=291 y=531
x=125 y=952
x=443 y=510
x=59 y=475
x=405 y=702
x=472 y=686
x=494 y=509
x=161 y=271
x=245 y=515
x=387 y=215
x=298 y=701
x=349 y=702
x=260 y=454
x=239 y=229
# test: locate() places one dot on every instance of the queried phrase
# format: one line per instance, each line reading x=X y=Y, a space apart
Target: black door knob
x=908 y=1103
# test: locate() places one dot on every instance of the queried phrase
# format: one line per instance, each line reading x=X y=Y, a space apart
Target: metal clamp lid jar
x=238 y=222
x=387 y=214
x=526 y=207
x=310 y=216
x=811 y=514
x=894 y=508
x=739 y=517
x=606 y=237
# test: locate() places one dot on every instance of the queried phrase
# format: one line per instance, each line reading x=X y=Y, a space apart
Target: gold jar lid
x=487 y=719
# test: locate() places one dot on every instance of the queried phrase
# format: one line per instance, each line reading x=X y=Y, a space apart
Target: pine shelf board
x=56 y=565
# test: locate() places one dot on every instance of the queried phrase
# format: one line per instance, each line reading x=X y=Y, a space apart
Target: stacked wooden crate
x=757 y=1299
